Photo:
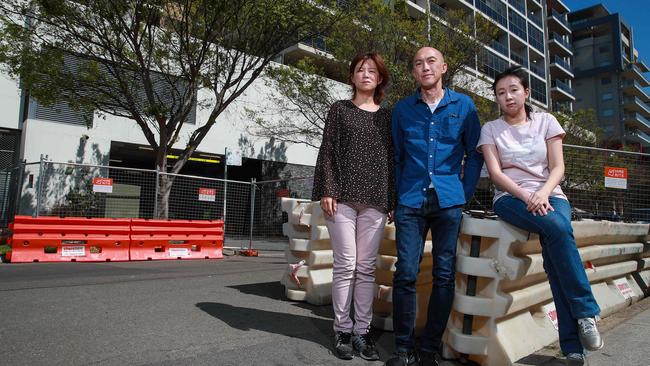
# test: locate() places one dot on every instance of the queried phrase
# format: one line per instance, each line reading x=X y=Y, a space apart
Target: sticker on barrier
x=624 y=288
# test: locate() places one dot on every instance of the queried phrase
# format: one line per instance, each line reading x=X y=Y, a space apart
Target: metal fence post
x=19 y=188
x=39 y=189
x=253 y=188
x=157 y=190
x=225 y=191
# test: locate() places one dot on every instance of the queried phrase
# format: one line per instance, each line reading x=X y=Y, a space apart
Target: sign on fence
x=207 y=194
x=615 y=177
x=102 y=185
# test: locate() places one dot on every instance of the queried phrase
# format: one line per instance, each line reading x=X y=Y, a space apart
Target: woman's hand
x=328 y=204
x=538 y=203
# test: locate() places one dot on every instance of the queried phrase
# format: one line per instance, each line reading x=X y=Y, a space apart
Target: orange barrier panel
x=176 y=239
x=69 y=239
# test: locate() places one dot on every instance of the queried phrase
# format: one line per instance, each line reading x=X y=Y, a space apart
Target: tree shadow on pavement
x=272 y=290
x=275 y=291
x=291 y=325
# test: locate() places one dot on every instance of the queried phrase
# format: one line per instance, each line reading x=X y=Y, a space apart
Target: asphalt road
x=205 y=312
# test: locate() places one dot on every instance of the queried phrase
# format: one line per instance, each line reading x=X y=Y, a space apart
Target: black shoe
x=427 y=358
x=343 y=346
x=365 y=346
x=403 y=359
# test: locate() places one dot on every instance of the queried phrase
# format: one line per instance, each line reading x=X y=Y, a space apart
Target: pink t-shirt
x=522 y=150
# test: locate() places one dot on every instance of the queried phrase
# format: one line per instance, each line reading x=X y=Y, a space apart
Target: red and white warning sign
x=551 y=313
x=73 y=251
x=615 y=177
x=207 y=194
x=102 y=185
x=624 y=288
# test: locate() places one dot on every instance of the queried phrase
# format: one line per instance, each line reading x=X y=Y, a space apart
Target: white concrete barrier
x=309 y=244
x=503 y=304
x=503 y=296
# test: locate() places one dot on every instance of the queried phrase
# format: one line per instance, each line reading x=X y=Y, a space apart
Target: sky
x=634 y=12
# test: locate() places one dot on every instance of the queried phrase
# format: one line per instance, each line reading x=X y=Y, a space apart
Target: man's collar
x=450 y=96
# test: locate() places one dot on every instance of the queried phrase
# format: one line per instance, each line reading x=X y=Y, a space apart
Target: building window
x=538 y=90
x=608 y=112
x=491 y=64
x=607 y=96
x=517 y=25
x=536 y=38
x=605 y=81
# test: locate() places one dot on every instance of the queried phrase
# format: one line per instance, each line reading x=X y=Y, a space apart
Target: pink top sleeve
x=553 y=127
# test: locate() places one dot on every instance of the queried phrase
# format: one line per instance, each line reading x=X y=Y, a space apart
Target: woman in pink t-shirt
x=523 y=153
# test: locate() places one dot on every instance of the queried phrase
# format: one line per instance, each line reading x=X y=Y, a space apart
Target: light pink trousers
x=355 y=233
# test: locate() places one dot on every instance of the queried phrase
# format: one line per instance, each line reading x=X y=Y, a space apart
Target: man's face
x=428 y=67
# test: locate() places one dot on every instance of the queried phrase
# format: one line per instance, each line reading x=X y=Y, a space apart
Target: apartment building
x=520 y=39
x=560 y=54
x=610 y=76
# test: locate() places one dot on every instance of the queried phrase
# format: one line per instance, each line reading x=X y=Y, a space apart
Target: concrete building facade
x=610 y=76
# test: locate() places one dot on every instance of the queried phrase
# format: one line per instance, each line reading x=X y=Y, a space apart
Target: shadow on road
x=291 y=325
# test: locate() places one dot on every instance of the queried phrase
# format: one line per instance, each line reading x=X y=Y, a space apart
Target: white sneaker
x=589 y=335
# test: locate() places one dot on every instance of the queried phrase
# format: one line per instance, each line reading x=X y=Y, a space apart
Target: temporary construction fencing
x=251 y=210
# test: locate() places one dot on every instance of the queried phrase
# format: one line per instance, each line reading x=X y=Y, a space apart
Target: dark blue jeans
x=412 y=225
x=566 y=274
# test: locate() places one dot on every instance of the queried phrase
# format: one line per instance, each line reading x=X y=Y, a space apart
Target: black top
x=355 y=160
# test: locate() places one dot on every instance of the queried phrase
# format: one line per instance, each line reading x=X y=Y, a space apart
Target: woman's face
x=511 y=95
x=366 y=76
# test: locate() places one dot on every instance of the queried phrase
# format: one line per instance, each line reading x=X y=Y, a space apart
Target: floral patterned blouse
x=355 y=160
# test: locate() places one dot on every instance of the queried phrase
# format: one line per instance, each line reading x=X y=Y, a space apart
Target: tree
x=373 y=26
x=147 y=59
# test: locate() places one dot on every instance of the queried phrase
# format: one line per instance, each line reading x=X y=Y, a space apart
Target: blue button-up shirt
x=430 y=147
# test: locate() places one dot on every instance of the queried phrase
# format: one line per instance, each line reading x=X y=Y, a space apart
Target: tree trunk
x=163 y=185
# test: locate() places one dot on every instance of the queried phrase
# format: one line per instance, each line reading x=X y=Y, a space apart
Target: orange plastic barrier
x=176 y=239
x=54 y=239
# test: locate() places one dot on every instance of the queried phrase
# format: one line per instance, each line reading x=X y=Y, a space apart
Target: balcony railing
x=560 y=17
x=636 y=69
x=558 y=38
x=640 y=135
x=560 y=61
x=536 y=19
x=437 y=10
x=562 y=107
x=638 y=102
x=519 y=58
x=537 y=70
x=636 y=84
x=637 y=117
x=499 y=47
x=317 y=43
x=562 y=86
x=519 y=5
x=499 y=17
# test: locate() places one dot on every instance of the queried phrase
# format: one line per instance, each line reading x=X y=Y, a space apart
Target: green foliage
x=370 y=26
x=4 y=249
x=146 y=59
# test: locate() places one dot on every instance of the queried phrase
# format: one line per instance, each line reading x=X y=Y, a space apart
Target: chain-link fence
x=600 y=183
x=251 y=209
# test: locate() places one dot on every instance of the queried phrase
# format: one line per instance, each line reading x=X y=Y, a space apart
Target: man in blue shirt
x=434 y=130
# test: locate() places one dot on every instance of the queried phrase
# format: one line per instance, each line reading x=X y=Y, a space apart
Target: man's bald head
x=428 y=67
